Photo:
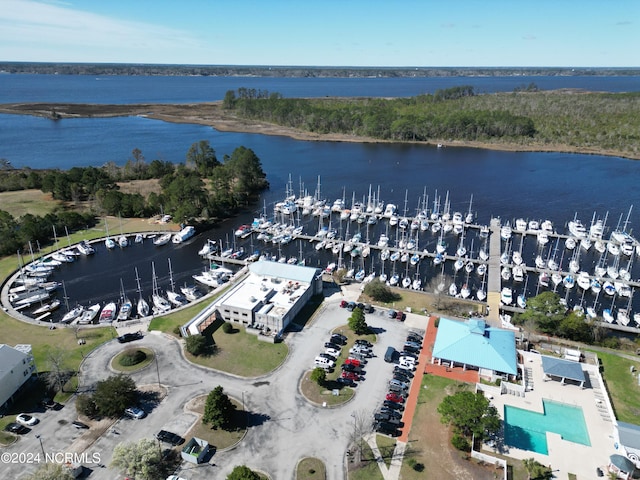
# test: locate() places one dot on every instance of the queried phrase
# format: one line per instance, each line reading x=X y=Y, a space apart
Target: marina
x=438 y=249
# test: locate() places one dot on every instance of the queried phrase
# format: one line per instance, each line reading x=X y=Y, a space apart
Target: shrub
x=319 y=376
x=227 y=327
x=418 y=467
x=132 y=357
x=176 y=330
x=436 y=322
x=86 y=406
x=460 y=442
x=196 y=344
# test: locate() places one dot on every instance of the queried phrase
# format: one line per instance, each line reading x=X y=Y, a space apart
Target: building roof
x=296 y=273
x=558 y=367
x=475 y=343
x=623 y=463
x=629 y=435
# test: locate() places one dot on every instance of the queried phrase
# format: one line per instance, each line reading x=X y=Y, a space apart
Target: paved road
x=284 y=426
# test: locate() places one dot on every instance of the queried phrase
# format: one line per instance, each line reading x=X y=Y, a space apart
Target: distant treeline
x=201 y=189
x=603 y=122
x=421 y=118
x=298 y=71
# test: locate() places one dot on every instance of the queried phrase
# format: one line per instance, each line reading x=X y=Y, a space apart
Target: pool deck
x=566 y=457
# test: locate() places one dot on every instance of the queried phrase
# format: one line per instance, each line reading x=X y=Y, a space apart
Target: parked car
x=351 y=306
x=416 y=334
x=361 y=349
x=408 y=356
x=403 y=371
x=347 y=367
x=332 y=345
x=400 y=316
x=362 y=341
x=359 y=356
x=401 y=378
x=327 y=356
x=16 y=428
x=324 y=362
x=386 y=428
x=412 y=344
x=405 y=364
x=392 y=313
x=350 y=376
x=414 y=337
x=396 y=389
x=130 y=337
x=134 y=412
x=368 y=308
x=343 y=304
x=26 y=419
x=79 y=425
x=393 y=405
x=353 y=361
x=391 y=412
x=332 y=351
x=390 y=354
x=338 y=339
x=346 y=382
x=411 y=350
x=174 y=477
x=383 y=417
x=169 y=437
x=394 y=397
x=360 y=305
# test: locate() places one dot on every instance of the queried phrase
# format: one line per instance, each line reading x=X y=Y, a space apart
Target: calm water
x=506 y=184
x=140 y=89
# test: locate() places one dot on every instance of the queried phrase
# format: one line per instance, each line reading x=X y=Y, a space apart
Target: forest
x=202 y=189
x=606 y=123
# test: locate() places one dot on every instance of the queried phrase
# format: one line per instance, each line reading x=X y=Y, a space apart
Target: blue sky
x=572 y=33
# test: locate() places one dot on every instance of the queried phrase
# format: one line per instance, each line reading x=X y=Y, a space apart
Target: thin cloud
x=51 y=26
x=448 y=25
x=529 y=37
x=624 y=23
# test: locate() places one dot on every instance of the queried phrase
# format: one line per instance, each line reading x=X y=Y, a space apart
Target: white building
x=16 y=368
x=268 y=298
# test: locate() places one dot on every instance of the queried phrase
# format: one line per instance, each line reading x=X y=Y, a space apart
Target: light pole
x=157 y=368
x=41 y=446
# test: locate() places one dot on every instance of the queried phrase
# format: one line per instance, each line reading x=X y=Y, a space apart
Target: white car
x=407 y=365
x=26 y=420
x=333 y=352
x=174 y=477
x=324 y=362
x=134 y=412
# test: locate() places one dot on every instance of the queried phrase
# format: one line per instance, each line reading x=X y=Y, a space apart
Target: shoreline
x=211 y=114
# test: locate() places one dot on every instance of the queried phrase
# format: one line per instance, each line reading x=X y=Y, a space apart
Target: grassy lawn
x=115 y=362
x=386 y=445
x=425 y=303
x=22 y=202
x=168 y=323
x=219 y=438
x=311 y=469
x=242 y=354
x=7 y=438
x=622 y=385
x=367 y=469
x=319 y=395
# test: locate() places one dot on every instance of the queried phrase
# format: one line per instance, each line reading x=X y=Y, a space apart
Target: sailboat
x=108 y=242
x=125 y=305
x=143 y=306
x=160 y=304
x=174 y=297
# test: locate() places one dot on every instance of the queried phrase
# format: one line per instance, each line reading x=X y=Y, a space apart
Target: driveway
x=284 y=427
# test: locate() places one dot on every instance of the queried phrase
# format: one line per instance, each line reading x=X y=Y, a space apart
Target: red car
x=394 y=397
x=343 y=304
x=350 y=376
x=353 y=361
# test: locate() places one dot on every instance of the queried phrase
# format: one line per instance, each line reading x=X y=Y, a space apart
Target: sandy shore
x=212 y=114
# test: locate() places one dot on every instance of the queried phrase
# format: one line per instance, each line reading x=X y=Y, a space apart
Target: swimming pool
x=527 y=430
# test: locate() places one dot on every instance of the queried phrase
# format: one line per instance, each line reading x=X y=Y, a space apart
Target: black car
x=401 y=378
x=393 y=405
x=383 y=417
x=387 y=428
x=360 y=306
x=169 y=437
x=332 y=345
x=413 y=344
x=130 y=337
x=14 y=427
x=402 y=371
x=368 y=308
x=391 y=413
x=408 y=353
x=410 y=349
x=348 y=367
x=347 y=382
x=327 y=356
x=338 y=339
x=363 y=342
x=414 y=338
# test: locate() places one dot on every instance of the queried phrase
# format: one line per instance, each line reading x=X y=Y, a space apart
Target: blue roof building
x=474 y=344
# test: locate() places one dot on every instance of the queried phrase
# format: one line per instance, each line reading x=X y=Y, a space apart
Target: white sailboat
x=142 y=306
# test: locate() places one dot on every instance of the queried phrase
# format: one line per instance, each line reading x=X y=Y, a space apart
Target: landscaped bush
x=460 y=442
x=196 y=345
x=227 y=327
x=132 y=357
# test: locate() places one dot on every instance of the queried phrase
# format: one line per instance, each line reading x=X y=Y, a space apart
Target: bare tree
x=58 y=374
x=362 y=426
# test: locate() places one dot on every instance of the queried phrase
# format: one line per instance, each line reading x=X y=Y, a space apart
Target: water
x=174 y=89
x=527 y=430
x=555 y=186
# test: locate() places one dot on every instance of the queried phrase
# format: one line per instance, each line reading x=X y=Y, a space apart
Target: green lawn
x=367 y=469
x=242 y=354
x=115 y=362
x=218 y=438
x=622 y=385
x=387 y=446
x=168 y=323
x=311 y=469
x=324 y=394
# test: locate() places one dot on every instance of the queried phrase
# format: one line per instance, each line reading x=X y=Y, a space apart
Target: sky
x=421 y=33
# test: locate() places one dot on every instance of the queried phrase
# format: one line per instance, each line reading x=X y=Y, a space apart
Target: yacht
x=89 y=315
x=162 y=239
x=506 y=296
x=185 y=234
x=577 y=229
x=521 y=225
x=108 y=313
x=583 y=280
x=505 y=232
x=72 y=314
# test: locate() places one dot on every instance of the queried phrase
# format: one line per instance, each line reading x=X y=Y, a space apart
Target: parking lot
x=284 y=426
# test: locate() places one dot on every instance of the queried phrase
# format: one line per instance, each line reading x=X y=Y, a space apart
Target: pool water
x=527 y=430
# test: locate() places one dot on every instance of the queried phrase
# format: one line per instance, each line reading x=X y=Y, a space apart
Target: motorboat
x=505 y=231
x=596 y=287
x=406 y=282
x=162 y=239
x=506 y=296
x=191 y=292
x=570 y=243
x=453 y=290
x=243 y=231
x=533 y=226
x=123 y=241
x=521 y=225
x=185 y=234
x=607 y=315
x=139 y=238
x=518 y=273
x=521 y=300
x=125 y=310
x=160 y=304
x=109 y=243
x=569 y=282
x=90 y=314
x=416 y=284
x=609 y=288
x=108 y=313
x=465 y=291
x=85 y=249
x=47 y=307
x=577 y=229
x=208 y=248
x=176 y=298
x=583 y=280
